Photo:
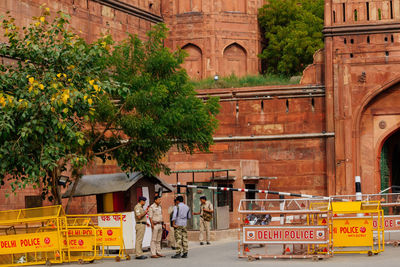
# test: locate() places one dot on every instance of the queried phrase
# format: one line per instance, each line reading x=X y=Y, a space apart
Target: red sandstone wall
x=221 y=37
x=89 y=18
x=363 y=62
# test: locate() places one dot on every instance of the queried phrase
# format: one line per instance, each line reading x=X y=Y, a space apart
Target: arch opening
x=193 y=62
x=390 y=163
x=235 y=60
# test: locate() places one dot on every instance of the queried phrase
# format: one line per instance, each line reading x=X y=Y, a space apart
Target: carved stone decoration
x=362 y=78
x=382 y=124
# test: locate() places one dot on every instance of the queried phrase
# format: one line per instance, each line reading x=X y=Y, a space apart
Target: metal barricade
x=284 y=228
x=353 y=227
x=32 y=236
x=108 y=239
x=390 y=203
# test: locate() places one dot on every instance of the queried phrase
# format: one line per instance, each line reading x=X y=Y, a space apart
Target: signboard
x=352 y=232
x=391 y=223
x=25 y=243
x=285 y=235
x=81 y=239
x=128 y=225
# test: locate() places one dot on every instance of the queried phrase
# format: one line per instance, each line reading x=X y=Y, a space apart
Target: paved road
x=224 y=254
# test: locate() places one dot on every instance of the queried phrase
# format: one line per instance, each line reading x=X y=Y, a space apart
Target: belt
x=157 y=223
x=141 y=223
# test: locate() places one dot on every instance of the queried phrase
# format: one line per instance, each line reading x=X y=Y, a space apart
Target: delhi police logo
x=320 y=234
x=251 y=235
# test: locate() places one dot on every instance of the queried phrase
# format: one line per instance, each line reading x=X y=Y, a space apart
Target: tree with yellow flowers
x=64 y=102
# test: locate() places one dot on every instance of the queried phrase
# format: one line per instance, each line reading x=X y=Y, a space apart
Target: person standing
x=179 y=221
x=141 y=222
x=206 y=215
x=172 y=231
x=156 y=221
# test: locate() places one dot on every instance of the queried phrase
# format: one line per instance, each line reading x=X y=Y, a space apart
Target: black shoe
x=201 y=243
x=208 y=243
x=176 y=256
x=141 y=257
x=184 y=255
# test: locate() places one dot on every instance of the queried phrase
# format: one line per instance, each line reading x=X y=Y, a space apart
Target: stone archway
x=379 y=125
x=194 y=61
x=235 y=60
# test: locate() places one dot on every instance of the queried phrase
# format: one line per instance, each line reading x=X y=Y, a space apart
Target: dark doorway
x=250 y=195
x=390 y=163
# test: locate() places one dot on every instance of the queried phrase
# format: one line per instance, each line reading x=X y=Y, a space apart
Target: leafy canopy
x=64 y=101
x=293 y=33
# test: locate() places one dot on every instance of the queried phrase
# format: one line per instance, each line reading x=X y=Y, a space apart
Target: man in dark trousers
x=179 y=221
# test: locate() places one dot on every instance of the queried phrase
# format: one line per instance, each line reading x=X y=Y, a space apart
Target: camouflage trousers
x=181 y=239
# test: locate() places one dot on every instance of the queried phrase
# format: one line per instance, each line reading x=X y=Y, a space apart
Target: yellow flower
x=70 y=67
x=37 y=24
x=65 y=98
x=96 y=87
x=47 y=9
x=30 y=88
x=85 y=97
x=91 y=82
x=59 y=75
x=31 y=80
x=41 y=86
x=42 y=19
x=90 y=101
x=65 y=110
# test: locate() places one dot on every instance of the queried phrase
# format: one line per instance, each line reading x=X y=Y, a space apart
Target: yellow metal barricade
x=107 y=238
x=32 y=236
x=354 y=224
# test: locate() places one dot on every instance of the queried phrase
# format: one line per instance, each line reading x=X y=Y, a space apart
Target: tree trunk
x=55 y=188
x=77 y=178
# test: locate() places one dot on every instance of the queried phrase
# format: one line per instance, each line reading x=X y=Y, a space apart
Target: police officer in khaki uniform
x=141 y=222
x=156 y=220
x=206 y=211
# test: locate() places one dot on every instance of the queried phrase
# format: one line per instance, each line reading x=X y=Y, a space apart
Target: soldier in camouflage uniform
x=179 y=220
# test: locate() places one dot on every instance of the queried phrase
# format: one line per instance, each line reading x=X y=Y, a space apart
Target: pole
x=218 y=188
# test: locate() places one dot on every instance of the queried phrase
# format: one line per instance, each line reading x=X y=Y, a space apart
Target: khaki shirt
x=139 y=211
x=155 y=213
x=207 y=206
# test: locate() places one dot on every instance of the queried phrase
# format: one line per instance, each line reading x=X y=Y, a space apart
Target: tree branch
x=111 y=149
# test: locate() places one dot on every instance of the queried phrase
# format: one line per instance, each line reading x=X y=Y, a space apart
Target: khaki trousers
x=156 y=235
x=204 y=229
x=140 y=230
x=171 y=236
x=181 y=239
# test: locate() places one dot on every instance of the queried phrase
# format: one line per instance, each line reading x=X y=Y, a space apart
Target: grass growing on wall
x=233 y=81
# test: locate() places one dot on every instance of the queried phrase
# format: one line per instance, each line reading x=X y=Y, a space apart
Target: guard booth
x=118 y=193
x=284 y=228
x=222 y=201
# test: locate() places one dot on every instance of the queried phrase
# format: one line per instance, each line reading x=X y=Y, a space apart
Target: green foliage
x=64 y=101
x=161 y=108
x=293 y=33
x=233 y=81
